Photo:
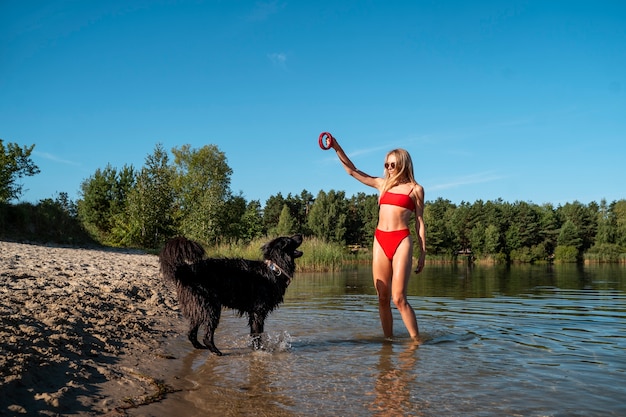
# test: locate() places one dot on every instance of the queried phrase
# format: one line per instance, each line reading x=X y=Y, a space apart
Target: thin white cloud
x=360 y=152
x=478 y=178
x=264 y=9
x=55 y=158
x=279 y=59
x=366 y=151
x=382 y=149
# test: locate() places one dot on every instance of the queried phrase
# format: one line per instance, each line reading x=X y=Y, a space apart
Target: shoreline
x=83 y=331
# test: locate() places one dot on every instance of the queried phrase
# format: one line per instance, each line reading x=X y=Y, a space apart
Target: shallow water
x=519 y=341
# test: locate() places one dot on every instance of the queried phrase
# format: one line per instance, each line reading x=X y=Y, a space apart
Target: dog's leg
x=256 y=321
x=193 y=336
x=214 y=319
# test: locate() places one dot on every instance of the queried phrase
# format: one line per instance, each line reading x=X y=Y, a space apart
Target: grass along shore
x=319 y=256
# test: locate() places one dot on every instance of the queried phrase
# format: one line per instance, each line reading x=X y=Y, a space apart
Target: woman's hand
x=333 y=143
x=420 y=263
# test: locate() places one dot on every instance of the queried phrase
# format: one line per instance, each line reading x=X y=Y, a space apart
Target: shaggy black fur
x=204 y=286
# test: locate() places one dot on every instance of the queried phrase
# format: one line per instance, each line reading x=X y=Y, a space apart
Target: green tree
x=306 y=201
x=15 y=163
x=252 y=221
x=440 y=237
x=492 y=240
x=327 y=219
x=66 y=206
x=478 y=239
x=286 y=223
x=362 y=217
x=524 y=229
x=103 y=200
x=584 y=218
x=369 y=213
x=150 y=204
x=526 y=217
x=618 y=210
x=570 y=235
x=461 y=223
x=231 y=218
x=494 y=215
x=202 y=189
x=606 y=225
x=271 y=212
x=96 y=192
x=549 y=228
x=56 y=220
x=298 y=209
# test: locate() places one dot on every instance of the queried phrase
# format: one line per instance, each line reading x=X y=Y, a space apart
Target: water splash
x=274 y=342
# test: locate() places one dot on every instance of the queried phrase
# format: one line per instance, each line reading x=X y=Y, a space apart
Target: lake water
x=519 y=341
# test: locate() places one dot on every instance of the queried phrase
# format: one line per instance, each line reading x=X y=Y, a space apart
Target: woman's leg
x=381 y=270
x=402 y=269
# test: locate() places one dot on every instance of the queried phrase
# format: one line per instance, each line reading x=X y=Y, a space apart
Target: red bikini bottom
x=390 y=241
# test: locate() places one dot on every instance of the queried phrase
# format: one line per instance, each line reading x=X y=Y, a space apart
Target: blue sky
x=519 y=100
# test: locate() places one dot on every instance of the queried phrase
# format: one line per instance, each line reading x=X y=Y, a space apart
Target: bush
x=604 y=252
x=49 y=221
x=565 y=254
x=523 y=255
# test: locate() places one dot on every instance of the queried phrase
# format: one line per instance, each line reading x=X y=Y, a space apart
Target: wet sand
x=83 y=331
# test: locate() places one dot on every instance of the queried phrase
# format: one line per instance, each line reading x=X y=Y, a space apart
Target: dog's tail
x=179 y=251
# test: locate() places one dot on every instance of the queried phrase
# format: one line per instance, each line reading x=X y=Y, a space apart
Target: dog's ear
x=268 y=248
x=297 y=238
x=280 y=244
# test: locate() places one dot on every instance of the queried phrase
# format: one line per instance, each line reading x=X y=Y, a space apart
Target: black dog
x=204 y=286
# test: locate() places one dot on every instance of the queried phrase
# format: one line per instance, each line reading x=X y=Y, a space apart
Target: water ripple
x=545 y=349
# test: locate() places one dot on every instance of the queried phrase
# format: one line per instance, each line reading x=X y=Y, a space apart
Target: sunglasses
x=391 y=165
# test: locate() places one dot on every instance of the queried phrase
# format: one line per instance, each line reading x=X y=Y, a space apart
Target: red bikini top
x=402 y=200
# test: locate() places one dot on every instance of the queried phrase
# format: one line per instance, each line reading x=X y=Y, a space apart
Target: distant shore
x=82 y=331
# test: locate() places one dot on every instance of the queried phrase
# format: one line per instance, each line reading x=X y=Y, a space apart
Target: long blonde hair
x=402 y=174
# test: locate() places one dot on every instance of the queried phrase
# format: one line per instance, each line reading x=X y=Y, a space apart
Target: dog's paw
x=257 y=343
x=215 y=351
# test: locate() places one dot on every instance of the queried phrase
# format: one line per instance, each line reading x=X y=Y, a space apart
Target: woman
x=401 y=197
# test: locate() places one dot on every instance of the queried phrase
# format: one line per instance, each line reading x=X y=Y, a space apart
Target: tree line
x=187 y=192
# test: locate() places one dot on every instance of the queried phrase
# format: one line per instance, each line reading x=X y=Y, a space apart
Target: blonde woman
x=401 y=197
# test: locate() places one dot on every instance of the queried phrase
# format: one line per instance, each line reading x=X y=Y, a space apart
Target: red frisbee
x=326 y=140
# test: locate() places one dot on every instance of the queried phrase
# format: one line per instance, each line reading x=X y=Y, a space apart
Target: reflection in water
x=474 y=281
x=239 y=384
x=395 y=382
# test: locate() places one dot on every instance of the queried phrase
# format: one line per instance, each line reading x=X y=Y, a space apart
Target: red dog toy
x=326 y=140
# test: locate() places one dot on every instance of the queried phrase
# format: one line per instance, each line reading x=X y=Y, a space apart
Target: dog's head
x=282 y=248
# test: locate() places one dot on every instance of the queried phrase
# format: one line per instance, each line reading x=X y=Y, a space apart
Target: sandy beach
x=83 y=331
